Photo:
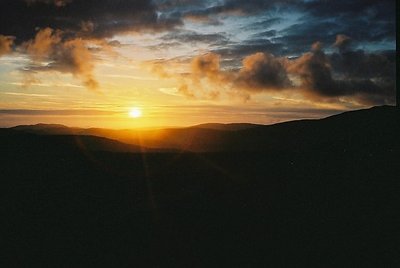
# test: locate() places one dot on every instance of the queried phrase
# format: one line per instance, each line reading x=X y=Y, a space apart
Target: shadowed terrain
x=310 y=193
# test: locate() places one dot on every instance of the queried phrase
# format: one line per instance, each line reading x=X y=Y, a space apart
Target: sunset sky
x=138 y=63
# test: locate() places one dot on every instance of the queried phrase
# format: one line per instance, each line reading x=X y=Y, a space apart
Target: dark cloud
x=56 y=33
x=209 y=11
x=314 y=71
x=363 y=20
x=377 y=8
x=65 y=48
x=267 y=34
x=367 y=78
x=262 y=71
x=207 y=79
x=58 y=3
x=264 y=24
x=359 y=64
x=250 y=6
x=239 y=50
x=319 y=78
x=298 y=37
x=106 y=18
x=195 y=37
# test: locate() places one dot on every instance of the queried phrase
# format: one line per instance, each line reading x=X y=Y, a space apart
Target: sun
x=135 y=112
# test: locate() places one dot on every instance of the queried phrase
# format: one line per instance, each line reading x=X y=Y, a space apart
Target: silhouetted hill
x=350 y=128
x=228 y=127
x=353 y=129
x=13 y=138
x=309 y=193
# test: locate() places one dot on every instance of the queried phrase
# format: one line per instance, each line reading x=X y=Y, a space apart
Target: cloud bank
x=57 y=34
x=367 y=78
x=260 y=46
x=65 y=56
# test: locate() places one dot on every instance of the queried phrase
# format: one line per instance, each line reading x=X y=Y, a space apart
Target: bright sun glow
x=135 y=112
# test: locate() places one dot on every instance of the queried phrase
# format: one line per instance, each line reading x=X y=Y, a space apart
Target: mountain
x=314 y=193
x=347 y=129
x=13 y=139
x=227 y=127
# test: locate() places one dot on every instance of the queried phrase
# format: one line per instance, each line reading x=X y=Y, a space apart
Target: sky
x=90 y=63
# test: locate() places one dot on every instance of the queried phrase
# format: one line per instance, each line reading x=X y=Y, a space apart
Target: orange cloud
x=342 y=42
x=66 y=56
x=74 y=57
x=316 y=75
x=207 y=79
x=44 y=43
x=6 y=43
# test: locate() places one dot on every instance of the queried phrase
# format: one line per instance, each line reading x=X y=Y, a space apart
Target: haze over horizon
x=140 y=63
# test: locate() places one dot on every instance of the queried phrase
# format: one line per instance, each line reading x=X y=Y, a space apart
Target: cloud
x=205 y=74
x=6 y=43
x=74 y=57
x=65 y=56
x=207 y=65
x=313 y=69
x=68 y=27
x=249 y=54
x=207 y=79
x=342 y=42
x=201 y=18
x=43 y=44
x=262 y=71
x=244 y=7
x=107 y=18
x=258 y=72
x=366 y=21
x=319 y=79
x=58 y=3
x=239 y=50
x=360 y=64
x=365 y=78
x=193 y=37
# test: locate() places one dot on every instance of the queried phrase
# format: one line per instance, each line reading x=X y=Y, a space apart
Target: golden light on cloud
x=189 y=69
x=135 y=112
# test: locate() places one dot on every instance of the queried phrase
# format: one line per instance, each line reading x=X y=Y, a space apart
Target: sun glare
x=135 y=112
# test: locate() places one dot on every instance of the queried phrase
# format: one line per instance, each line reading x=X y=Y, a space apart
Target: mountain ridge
x=213 y=137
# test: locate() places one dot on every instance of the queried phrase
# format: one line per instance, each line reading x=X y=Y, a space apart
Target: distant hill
x=353 y=129
x=13 y=139
x=227 y=127
x=312 y=193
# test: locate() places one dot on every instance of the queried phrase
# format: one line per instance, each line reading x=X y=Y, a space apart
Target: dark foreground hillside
x=305 y=206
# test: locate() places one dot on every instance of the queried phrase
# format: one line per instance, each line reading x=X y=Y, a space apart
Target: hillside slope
x=353 y=128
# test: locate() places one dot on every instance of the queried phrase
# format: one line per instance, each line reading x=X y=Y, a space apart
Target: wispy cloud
x=26 y=94
x=133 y=77
x=77 y=112
x=38 y=84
